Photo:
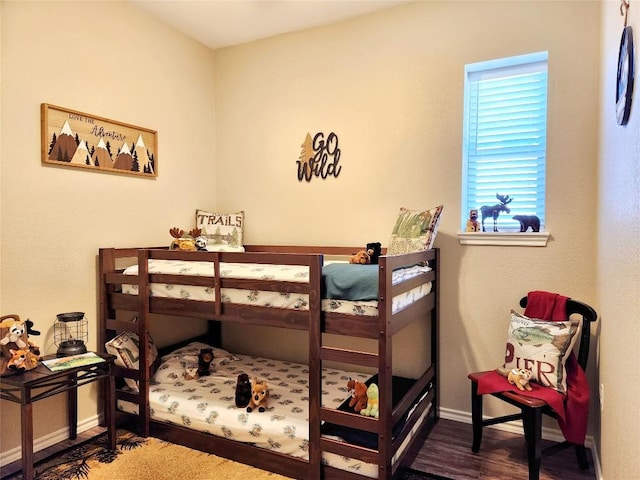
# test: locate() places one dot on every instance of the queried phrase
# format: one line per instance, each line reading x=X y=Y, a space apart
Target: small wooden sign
x=76 y=139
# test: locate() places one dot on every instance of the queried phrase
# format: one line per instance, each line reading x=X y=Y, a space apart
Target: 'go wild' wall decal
x=319 y=158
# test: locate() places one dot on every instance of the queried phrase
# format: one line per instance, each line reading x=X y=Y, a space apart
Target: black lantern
x=70 y=334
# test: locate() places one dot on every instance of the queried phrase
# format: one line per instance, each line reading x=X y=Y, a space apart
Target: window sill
x=521 y=239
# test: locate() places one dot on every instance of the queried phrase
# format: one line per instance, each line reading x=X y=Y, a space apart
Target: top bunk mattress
x=347 y=288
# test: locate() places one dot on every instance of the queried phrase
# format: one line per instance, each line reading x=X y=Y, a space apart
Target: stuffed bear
x=17 y=352
x=243 y=391
x=205 y=357
x=374 y=250
x=259 y=396
x=372 y=402
x=360 y=258
x=358 y=392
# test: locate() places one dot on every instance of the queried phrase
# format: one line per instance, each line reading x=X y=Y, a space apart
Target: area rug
x=138 y=458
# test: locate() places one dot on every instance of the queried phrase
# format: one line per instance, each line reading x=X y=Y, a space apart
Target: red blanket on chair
x=573 y=409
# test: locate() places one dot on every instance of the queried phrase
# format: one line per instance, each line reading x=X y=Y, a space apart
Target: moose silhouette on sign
x=494 y=210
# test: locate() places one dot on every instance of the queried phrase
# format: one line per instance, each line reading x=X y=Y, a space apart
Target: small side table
x=20 y=388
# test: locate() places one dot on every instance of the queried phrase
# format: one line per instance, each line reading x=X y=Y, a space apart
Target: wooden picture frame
x=80 y=140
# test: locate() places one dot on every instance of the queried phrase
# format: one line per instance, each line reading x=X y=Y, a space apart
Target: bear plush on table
x=17 y=352
x=358 y=392
x=259 y=396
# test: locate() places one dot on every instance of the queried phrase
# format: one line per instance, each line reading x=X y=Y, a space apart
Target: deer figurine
x=494 y=210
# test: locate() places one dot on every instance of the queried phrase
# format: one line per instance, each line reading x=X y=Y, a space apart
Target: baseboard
x=552 y=434
x=41 y=443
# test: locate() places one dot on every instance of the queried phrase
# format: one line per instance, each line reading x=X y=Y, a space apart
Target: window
x=505 y=140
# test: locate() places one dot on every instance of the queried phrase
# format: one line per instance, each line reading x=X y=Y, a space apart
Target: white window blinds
x=505 y=139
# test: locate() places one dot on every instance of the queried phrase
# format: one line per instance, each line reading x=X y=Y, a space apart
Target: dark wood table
x=21 y=388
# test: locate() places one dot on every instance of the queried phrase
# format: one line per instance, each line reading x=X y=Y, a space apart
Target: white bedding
x=290 y=273
x=208 y=403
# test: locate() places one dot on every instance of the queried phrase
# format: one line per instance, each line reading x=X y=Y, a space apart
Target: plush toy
x=17 y=352
x=372 y=402
x=259 y=396
x=374 y=250
x=201 y=243
x=191 y=373
x=205 y=357
x=473 y=225
x=22 y=360
x=519 y=377
x=187 y=244
x=358 y=392
x=243 y=391
x=16 y=329
x=360 y=258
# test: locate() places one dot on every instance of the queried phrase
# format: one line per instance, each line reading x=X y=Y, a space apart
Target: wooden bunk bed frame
x=423 y=396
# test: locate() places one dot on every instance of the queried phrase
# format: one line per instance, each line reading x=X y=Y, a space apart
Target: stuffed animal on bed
x=374 y=250
x=360 y=258
x=358 y=392
x=243 y=390
x=205 y=357
x=372 y=402
x=259 y=396
x=187 y=244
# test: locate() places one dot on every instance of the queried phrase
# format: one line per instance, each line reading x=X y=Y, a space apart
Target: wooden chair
x=532 y=409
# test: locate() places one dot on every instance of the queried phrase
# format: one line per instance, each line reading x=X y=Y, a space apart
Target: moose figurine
x=494 y=210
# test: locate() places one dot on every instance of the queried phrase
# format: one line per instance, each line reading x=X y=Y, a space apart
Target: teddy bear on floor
x=259 y=396
x=358 y=392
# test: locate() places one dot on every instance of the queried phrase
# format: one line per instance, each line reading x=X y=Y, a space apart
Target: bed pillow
x=174 y=364
x=414 y=231
x=222 y=230
x=541 y=346
x=126 y=348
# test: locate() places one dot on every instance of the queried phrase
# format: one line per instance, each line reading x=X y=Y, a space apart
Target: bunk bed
x=130 y=296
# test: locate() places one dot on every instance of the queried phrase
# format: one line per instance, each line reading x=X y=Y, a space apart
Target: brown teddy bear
x=358 y=392
x=360 y=258
x=259 y=396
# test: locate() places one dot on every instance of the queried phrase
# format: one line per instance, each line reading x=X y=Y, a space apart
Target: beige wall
x=390 y=85
x=111 y=60
x=618 y=258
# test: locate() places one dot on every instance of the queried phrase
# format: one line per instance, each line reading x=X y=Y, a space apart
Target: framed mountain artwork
x=81 y=140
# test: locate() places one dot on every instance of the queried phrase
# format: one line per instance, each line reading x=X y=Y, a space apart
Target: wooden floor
x=447 y=452
x=502 y=456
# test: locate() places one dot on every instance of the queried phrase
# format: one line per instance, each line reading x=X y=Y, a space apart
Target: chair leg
x=476 y=417
x=532 y=423
x=581 y=454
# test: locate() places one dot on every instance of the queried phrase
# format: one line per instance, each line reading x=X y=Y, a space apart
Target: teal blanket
x=347 y=281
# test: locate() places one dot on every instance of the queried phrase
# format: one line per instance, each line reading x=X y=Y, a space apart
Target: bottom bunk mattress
x=207 y=403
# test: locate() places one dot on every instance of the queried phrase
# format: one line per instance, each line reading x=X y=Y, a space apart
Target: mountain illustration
x=101 y=157
x=140 y=153
x=65 y=146
x=81 y=156
x=124 y=159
